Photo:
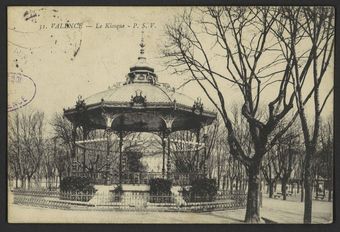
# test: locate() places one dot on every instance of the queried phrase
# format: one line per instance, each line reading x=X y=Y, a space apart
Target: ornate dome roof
x=141 y=103
x=153 y=93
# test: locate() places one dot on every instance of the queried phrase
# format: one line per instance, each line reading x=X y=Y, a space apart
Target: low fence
x=126 y=201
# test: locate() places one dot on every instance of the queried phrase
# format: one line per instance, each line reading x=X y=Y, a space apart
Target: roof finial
x=142 y=45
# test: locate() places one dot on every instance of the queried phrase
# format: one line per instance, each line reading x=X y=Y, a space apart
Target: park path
x=273 y=209
x=25 y=214
x=292 y=212
x=102 y=190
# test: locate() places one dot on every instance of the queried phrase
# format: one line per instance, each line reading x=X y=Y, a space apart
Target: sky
x=103 y=43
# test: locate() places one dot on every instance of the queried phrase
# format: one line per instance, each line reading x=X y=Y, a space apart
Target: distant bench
x=279 y=194
x=319 y=197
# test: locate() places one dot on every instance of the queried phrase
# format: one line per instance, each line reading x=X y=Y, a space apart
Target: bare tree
x=33 y=143
x=61 y=158
x=287 y=151
x=324 y=156
x=26 y=145
x=299 y=174
x=293 y=39
x=63 y=131
x=307 y=34
x=15 y=148
x=228 y=27
x=184 y=157
x=48 y=167
x=187 y=157
x=240 y=38
x=208 y=158
x=221 y=152
x=268 y=167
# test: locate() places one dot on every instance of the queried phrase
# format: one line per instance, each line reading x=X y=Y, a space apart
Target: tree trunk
x=23 y=182
x=324 y=190
x=223 y=183
x=60 y=177
x=284 y=189
x=28 y=182
x=302 y=192
x=330 y=189
x=245 y=182
x=218 y=174
x=316 y=187
x=307 y=218
x=271 y=189
x=253 y=207
x=68 y=170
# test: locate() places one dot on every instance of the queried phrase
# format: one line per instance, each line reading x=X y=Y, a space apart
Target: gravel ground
x=292 y=212
x=273 y=209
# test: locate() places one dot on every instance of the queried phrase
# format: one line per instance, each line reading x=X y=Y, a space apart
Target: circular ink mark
x=21 y=91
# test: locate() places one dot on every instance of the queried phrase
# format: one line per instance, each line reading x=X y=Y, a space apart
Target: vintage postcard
x=170 y=114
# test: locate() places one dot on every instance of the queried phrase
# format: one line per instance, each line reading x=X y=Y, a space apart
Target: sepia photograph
x=172 y=115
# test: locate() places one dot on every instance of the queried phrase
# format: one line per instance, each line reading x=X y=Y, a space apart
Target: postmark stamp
x=21 y=91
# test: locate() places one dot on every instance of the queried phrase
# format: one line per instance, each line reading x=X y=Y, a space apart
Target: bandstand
x=140 y=104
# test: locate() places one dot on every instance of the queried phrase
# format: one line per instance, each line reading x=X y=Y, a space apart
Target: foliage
x=160 y=186
x=160 y=190
x=118 y=189
x=201 y=190
x=134 y=163
x=76 y=184
x=117 y=193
